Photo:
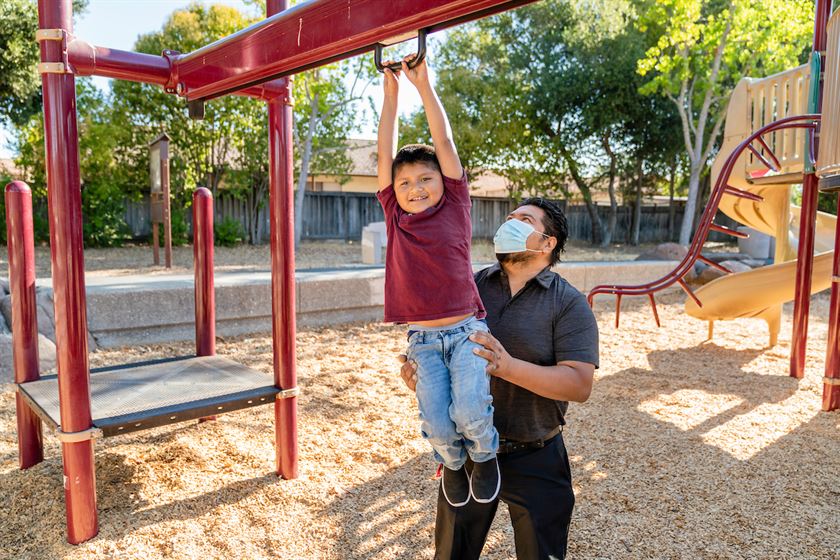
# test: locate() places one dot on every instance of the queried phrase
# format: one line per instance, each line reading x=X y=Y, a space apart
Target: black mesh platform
x=136 y=397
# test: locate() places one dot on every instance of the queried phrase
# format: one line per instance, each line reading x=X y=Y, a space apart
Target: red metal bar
x=313 y=34
x=617 y=309
x=807 y=220
x=831 y=391
x=687 y=290
x=90 y=60
x=713 y=264
x=205 y=298
x=734 y=191
x=804 y=272
x=653 y=307
x=728 y=231
x=776 y=165
x=283 y=329
x=65 y=210
x=21 y=242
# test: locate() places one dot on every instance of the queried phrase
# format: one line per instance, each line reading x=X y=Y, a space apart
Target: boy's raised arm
x=387 y=134
x=450 y=163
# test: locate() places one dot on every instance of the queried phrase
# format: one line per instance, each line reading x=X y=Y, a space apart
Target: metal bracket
x=53 y=68
x=50 y=35
x=76 y=437
x=288 y=393
x=835 y=278
x=834 y=381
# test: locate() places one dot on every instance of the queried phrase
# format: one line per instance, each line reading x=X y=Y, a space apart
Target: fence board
x=335 y=215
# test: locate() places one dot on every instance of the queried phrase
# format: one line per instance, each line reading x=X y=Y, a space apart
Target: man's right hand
x=408 y=372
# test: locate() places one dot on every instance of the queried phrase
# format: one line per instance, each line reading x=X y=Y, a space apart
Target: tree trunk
x=691 y=204
x=305 y=158
x=637 y=210
x=582 y=185
x=672 y=210
x=612 y=218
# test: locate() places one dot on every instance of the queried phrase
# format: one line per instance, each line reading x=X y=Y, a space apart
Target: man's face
x=418 y=186
x=537 y=241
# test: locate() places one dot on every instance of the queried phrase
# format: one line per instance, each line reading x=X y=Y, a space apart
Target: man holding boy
x=542 y=353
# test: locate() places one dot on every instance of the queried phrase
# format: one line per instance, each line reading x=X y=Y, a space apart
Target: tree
x=20 y=84
x=549 y=94
x=324 y=120
x=701 y=48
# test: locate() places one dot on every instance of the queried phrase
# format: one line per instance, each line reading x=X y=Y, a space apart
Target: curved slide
x=759 y=293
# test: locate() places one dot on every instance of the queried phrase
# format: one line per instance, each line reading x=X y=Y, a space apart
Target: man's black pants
x=537 y=487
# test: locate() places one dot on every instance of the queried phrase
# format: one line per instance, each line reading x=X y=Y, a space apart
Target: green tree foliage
x=102 y=198
x=701 y=48
x=547 y=95
x=20 y=84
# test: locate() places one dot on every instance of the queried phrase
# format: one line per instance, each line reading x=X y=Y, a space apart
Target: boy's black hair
x=554 y=223
x=415 y=153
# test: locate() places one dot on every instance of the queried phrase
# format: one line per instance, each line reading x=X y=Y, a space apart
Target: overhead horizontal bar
x=315 y=33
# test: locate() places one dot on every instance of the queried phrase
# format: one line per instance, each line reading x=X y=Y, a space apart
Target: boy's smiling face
x=417 y=186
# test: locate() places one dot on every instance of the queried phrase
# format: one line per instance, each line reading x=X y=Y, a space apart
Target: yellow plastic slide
x=760 y=292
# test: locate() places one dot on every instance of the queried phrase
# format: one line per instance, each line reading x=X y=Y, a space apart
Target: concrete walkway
x=137 y=309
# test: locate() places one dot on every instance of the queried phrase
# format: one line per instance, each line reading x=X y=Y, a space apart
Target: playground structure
x=780 y=130
x=256 y=62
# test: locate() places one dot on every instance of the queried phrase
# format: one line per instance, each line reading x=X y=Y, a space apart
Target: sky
x=118 y=23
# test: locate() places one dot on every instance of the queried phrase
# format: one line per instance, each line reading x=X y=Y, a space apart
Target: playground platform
x=147 y=309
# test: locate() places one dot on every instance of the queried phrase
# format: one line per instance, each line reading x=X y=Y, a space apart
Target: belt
x=510 y=446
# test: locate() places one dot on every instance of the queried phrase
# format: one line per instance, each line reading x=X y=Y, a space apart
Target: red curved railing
x=706 y=223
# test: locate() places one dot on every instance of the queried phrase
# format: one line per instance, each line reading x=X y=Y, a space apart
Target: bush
x=228 y=233
x=104 y=216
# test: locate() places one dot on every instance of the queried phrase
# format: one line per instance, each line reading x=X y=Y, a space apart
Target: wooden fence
x=329 y=215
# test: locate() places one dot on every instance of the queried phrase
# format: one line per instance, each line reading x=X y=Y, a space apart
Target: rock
x=664 y=252
x=4 y=328
x=4 y=286
x=6 y=310
x=44 y=310
x=46 y=357
x=711 y=273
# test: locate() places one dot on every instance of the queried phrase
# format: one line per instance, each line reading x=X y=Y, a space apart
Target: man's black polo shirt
x=547 y=322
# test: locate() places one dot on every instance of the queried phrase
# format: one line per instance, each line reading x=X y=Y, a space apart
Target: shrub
x=228 y=233
x=104 y=216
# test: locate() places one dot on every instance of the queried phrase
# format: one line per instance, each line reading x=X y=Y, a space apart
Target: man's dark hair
x=415 y=153
x=554 y=223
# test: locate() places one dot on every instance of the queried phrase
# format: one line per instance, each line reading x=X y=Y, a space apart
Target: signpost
x=159 y=174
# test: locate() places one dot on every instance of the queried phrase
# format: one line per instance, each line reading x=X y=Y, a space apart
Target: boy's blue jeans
x=453 y=393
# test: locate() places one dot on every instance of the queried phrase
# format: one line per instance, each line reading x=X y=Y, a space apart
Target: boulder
x=45 y=315
x=711 y=273
x=4 y=286
x=46 y=357
x=664 y=252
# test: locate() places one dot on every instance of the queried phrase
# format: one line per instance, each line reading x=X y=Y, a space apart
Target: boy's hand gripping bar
x=397 y=66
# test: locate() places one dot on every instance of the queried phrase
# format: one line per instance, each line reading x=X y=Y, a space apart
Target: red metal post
x=807 y=222
x=167 y=216
x=283 y=328
x=804 y=271
x=65 y=210
x=21 y=242
x=205 y=298
x=831 y=387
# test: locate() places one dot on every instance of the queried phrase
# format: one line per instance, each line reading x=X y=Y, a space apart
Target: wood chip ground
x=688 y=449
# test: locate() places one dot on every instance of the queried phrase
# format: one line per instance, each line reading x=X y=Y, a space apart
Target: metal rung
x=835 y=278
x=833 y=381
x=53 y=68
x=76 y=437
x=734 y=191
x=728 y=231
x=288 y=393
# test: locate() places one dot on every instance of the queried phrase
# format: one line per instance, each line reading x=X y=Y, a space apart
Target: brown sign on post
x=159 y=177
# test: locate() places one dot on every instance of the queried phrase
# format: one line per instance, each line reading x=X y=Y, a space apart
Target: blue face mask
x=512 y=236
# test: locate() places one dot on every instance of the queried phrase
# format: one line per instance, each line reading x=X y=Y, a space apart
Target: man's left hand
x=497 y=357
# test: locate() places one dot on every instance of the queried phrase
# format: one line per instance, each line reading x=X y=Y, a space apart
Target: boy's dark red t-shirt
x=428 y=269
